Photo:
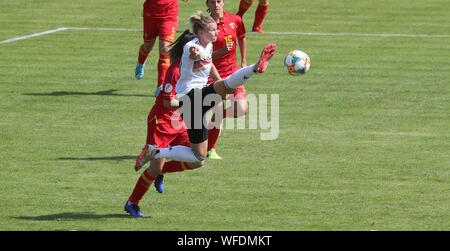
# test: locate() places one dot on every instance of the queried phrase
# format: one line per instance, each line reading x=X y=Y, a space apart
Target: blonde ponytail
x=200 y=21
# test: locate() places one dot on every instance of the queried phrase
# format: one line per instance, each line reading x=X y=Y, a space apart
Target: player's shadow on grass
x=116 y=158
x=110 y=92
x=72 y=216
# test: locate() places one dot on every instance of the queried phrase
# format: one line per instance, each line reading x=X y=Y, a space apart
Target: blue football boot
x=159 y=183
x=139 y=71
x=133 y=210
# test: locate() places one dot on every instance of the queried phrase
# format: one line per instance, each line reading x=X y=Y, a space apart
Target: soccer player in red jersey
x=165 y=127
x=260 y=13
x=231 y=33
x=160 y=20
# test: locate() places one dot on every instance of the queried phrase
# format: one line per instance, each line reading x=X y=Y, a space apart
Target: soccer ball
x=297 y=62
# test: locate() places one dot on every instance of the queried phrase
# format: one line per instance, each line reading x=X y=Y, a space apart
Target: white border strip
x=33 y=35
x=268 y=33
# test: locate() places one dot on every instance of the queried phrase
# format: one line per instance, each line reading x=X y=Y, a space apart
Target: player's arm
x=242 y=42
x=219 y=52
x=222 y=51
x=169 y=97
x=169 y=91
x=172 y=104
x=214 y=74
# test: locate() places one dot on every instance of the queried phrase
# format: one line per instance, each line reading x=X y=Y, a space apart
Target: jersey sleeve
x=169 y=90
x=185 y=57
x=240 y=31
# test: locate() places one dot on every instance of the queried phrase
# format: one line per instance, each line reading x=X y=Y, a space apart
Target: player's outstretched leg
x=147 y=154
x=133 y=210
x=266 y=54
x=241 y=76
x=159 y=183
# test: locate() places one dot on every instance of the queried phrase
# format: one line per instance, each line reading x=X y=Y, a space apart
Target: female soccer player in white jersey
x=196 y=97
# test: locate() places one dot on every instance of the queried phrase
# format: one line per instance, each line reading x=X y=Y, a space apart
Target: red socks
x=163 y=65
x=146 y=180
x=260 y=14
x=141 y=187
x=213 y=137
x=142 y=55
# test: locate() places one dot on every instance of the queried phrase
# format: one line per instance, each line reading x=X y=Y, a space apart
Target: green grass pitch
x=364 y=140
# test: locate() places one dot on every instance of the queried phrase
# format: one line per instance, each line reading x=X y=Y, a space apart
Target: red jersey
x=230 y=28
x=161 y=8
x=165 y=115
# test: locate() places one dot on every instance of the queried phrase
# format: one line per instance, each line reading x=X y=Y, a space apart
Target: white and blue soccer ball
x=297 y=62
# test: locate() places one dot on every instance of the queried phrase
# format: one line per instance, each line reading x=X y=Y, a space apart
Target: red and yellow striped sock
x=142 y=55
x=260 y=14
x=213 y=137
x=141 y=187
x=163 y=65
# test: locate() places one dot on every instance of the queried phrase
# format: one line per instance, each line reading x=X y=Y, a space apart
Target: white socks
x=178 y=153
x=239 y=77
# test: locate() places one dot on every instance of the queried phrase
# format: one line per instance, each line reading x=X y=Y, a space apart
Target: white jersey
x=194 y=74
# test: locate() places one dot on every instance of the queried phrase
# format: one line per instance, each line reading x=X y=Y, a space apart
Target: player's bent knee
x=164 y=50
x=164 y=46
x=148 y=45
x=196 y=165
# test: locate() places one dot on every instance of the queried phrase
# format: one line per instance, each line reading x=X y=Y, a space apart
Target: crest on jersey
x=201 y=64
x=168 y=88
x=233 y=26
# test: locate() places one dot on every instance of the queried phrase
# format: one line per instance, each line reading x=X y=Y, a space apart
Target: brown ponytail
x=176 y=48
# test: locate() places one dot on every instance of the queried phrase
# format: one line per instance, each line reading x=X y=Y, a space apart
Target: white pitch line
x=63 y=29
x=358 y=34
x=298 y=33
x=102 y=29
x=32 y=35
x=268 y=33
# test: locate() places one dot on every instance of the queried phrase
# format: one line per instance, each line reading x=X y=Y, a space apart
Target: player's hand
x=195 y=53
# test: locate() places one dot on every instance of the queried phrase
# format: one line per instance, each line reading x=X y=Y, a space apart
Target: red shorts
x=238 y=93
x=157 y=134
x=164 y=28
